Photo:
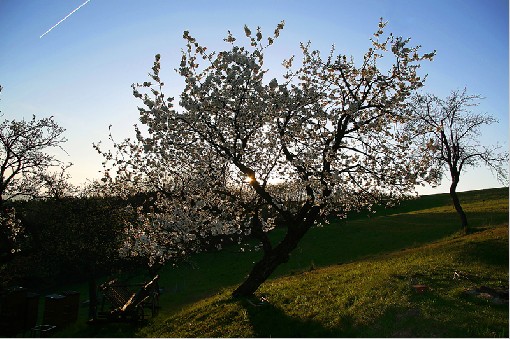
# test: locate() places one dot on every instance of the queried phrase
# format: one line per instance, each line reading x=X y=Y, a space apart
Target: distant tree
x=57 y=185
x=452 y=131
x=328 y=128
x=24 y=163
x=24 y=155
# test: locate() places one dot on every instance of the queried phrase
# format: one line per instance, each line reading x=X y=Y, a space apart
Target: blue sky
x=81 y=71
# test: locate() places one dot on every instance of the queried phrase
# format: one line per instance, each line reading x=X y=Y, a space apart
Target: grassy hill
x=366 y=298
x=350 y=278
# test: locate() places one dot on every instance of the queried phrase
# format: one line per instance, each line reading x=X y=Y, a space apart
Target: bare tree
x=24 y=165
x=452 y=130
x=23 y=155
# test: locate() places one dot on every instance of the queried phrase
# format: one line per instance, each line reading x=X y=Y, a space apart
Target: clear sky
x=81 y=71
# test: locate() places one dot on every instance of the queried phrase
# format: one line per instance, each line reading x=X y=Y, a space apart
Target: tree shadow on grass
x=485 y=220
x=428 y=315
x=270 y=321
x=490 y=252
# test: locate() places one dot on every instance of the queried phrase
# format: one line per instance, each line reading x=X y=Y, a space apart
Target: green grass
x=370 y=262
x=366 y=298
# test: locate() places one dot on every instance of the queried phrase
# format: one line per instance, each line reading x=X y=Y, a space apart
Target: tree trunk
x=458 y=207
x=270 y=261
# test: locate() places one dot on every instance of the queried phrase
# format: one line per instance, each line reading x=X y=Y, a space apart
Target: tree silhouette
x=329 y=131
x=24 y=163
x=24 y=155
x=452 y=130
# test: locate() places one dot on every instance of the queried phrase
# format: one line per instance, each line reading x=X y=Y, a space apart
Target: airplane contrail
x=67 y=16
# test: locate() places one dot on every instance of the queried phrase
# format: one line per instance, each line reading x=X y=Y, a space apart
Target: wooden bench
x=122 y=302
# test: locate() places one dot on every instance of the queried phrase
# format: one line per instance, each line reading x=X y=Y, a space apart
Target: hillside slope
x=371 y=297
x=350 y=278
